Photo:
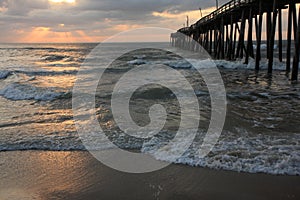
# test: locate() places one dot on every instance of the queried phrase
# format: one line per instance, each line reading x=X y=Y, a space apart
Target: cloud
x=22 y=7
x=19 y=18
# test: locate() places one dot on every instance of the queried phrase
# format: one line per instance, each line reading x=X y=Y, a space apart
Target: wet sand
x=44 y=175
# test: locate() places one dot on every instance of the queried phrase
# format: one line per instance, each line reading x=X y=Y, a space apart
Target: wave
x=39 y=48
x=280 y=66
x=277 y=155
x=264 y=47
x=30 y=48
x=49 y=49
x=178 y=64
x=208 y=63
x=16 y=91
x=53 y=58
x=4 y=74
x=240 y=64
x=253 y=96
x=37 y=72
x=46 y=73
x=137 y=62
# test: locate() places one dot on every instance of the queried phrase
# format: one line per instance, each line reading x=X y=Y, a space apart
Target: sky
x=68 y=21
x=92 y=20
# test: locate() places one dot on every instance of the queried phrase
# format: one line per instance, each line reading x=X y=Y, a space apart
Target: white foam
x=16 y=91
x=241 y=152
x=202 y=64
x=252 y=154
x=177 y=64
x=240 y=64
x=137 y=62
x=264 y=46
x=209 y=63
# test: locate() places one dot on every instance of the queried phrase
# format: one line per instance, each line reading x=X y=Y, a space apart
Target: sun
x=63 y=1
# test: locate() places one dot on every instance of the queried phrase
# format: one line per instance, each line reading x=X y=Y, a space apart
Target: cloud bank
x=90 y=20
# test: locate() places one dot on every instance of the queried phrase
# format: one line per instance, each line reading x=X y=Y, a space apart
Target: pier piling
x=223 y=32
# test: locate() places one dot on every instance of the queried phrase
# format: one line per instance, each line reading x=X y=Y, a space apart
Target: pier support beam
x=268 y=27
x=222 y=38
x=258 y=36
x=249 y=51
x=216 y=31
x=230 y=43
x=242 y=37
x=272 y=38
x=210 y=41
x=289 y=39
x=280 y=34
x=297 y=48
x=234 y=41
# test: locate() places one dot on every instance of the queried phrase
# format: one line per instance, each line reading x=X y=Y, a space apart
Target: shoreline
x=77 y=175
x=134 y=150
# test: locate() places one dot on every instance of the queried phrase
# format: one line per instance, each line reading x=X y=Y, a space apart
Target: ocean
x=261 y=132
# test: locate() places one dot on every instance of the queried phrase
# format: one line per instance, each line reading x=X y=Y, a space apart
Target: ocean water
x=261 y=133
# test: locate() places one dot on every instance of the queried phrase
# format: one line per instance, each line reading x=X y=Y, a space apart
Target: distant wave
x=30 y=48
x=178 y=64
x=49 y=49
x=207 y=63
x=53 y=58
x=137 y=62
x=47 y=73
x=39 y=48
x=253 y=96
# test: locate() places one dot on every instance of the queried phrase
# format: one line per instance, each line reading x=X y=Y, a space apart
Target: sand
x=44 y=175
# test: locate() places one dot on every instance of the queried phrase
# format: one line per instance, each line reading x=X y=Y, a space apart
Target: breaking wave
x=16 y=91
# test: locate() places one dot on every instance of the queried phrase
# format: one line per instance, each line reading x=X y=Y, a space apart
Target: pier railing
x=234 y=4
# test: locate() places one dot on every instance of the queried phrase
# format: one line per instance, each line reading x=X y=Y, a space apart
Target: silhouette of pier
x=227 y=33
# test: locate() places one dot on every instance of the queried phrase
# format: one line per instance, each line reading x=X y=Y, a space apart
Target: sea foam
x=16 y=91
x=252 y=154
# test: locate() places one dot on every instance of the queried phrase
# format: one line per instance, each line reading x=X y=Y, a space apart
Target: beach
x=44 y=175
x=44 y=156
x=165 y=100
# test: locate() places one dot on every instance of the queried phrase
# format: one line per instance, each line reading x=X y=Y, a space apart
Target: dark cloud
x=146 y=6
x=23 y=7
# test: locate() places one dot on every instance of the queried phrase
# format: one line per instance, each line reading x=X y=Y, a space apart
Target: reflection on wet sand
x=45 y=175
x=42 y=175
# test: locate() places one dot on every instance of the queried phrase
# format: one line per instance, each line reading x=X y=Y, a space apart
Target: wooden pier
x=227 y=33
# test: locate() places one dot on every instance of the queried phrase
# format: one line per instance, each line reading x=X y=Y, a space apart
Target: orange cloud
x=125 y=27
x=46 y=35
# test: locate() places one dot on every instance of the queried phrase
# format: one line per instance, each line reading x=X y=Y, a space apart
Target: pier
x=227 y=33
